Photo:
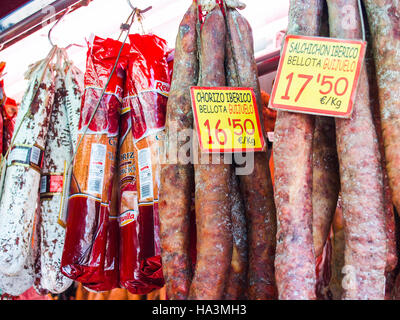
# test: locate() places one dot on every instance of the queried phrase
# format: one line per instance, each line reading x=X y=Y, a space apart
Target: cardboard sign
x=227 y=119
x=318 y=75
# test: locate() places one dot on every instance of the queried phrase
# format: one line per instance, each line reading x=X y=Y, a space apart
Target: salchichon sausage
x=326 y=182
x=337 y=259
x=390 y=228
x=236 y=284
x=293 y=140
x=383 y=18
x=360 y=177
x=74 y=88
x=58 y=152
x=22 y=178
x=177 y=180
x=213 y=209
x=256 y=187
x=17 y=284
x=384 y=74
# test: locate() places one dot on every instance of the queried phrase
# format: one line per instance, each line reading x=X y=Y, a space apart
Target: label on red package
x=127 y=217
x=227 y=119
x=162 y=87
x=318 y=75
x=51 y=184
x=145 y=174
x=96 y=168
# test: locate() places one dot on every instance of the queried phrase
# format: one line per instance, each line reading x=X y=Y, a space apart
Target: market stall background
x=304 y=250
x=93 y=17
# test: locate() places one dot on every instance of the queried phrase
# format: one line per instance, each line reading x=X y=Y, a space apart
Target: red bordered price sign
x=226 y=119
x=318 y=75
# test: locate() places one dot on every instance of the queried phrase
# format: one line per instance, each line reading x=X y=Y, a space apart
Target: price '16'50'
x=239 y=127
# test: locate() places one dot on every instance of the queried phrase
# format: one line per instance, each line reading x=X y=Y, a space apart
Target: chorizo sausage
x=237 y=280
x=256 y=187
x=176 y=179
x=212 y=203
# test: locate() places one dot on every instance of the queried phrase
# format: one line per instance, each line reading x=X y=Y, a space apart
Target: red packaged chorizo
x=140 y=269
x=85 y=245
x=9 y=111
x=2 y=100
x=110 y=279
x=150 y=77
x=142 y=123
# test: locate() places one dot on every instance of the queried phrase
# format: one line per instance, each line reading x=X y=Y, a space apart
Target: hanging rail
x=37 y=21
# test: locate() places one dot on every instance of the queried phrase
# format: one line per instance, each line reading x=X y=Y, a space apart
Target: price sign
x=318 y=75
x=227 y=119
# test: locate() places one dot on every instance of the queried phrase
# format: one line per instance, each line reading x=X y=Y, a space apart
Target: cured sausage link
x=361 y=179
x=236 y=286
x=237 y=280
x=256 y=187
x=384 y=66
x=212 y=203
x=58 y=151
x=326 y=181
x=383 y=18
x=177 y=180
x=390 y=227
x=22 y=177
x=295 y=258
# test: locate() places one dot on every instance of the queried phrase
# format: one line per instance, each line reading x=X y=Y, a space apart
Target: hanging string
x=68 y=167
x=46 y=62
x=361 y=19
x=59 y=19
x=132 y=15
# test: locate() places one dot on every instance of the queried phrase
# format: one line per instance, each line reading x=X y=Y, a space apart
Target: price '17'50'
x=239 y=126
x=328 y=85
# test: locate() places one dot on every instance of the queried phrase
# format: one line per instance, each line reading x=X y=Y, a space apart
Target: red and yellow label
x=318 y=75
x=227 y=119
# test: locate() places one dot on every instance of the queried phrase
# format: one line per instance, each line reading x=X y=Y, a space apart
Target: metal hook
x=51 y=29
x=140 y=11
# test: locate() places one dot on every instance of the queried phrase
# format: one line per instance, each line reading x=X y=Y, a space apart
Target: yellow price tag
x=318 y=75
x=227 y=119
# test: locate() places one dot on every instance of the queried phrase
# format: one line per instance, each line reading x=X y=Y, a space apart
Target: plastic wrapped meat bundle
x=85 y=245
x=142 y=123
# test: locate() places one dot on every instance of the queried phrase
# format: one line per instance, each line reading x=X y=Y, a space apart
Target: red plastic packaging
x=323 y=271
x=111 y=265
x=151 y=77
x=9 y=111
x=140 y=268
x=84 y=254
x=142 y=123
x=149 y=74
x=2 y=100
